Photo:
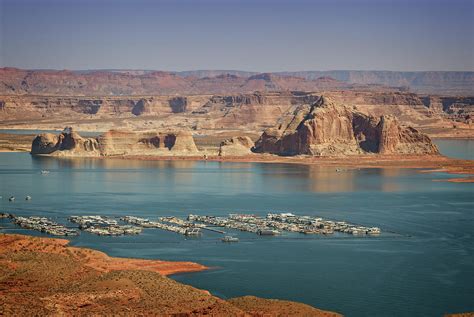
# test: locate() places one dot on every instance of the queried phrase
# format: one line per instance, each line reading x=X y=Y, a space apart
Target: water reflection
x=46 y=162
x=217 y=176
x=315 y=178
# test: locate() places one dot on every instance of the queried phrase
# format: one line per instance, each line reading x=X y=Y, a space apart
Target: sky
x=252 y=35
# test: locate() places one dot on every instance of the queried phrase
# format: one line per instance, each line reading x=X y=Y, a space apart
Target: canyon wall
x=212 y=113
x=252 y=111
x=24 y=107
x=12 y=107
x=459 y=109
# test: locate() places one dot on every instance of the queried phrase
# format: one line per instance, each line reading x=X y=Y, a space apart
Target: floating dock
x=271 y=225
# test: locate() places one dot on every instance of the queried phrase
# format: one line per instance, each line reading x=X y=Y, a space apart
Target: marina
x=104 y=226
x=271 y=225
x=183 y=228
x=274 y=224
x=43 y=224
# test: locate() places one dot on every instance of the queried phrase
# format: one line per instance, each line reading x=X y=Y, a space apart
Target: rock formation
x=178 y=104
x=329 y=129
x=141 y=107
x=115 y=142
x=236 y=146
x=68 y=141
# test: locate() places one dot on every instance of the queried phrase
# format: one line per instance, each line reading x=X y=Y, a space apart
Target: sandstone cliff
x=115 y=142
x=236 y=146
x=68 y=142
x=329 y=129
x=234 y=113
x=252 y=111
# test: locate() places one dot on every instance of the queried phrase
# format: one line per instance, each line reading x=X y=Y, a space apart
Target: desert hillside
x=43 y=276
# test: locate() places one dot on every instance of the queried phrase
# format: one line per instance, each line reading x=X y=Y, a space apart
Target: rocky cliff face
x=70 y=143
x=236 y=146
x=12 y=107
x=328 y=129
x=117 y=142
x=240 y=112
x=178 y=104
x=251 y=110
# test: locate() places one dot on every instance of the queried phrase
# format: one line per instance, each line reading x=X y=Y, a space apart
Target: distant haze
x=258 y=35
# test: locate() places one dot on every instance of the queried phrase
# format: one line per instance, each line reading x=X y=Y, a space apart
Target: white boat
x=193 y=232
x=230 y=239
x=268 y=232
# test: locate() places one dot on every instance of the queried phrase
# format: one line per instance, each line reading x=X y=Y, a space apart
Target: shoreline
x=434 y=163
x=46 y=276
x=98 y=260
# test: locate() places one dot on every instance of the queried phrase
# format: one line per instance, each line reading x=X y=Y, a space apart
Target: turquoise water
x=462 y=149
x=426 y=268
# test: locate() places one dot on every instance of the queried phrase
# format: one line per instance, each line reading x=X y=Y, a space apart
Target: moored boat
x=230 y=239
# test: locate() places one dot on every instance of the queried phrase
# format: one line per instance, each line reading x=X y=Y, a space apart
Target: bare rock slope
x=329 y=129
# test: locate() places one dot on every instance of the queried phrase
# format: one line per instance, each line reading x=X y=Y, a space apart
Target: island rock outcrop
x=115 y=142
x=236 y=146
x=329 y=129
x=68 y=141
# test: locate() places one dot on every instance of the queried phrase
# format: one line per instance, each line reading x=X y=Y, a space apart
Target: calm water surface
x=462 y=149
x=425 y=269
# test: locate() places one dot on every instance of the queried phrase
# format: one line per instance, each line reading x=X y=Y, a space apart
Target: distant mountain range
x=149 y=82
x=422 y=82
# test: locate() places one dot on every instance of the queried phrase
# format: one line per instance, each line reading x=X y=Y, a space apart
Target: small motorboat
x=230 y=239
x=12 y=198
x=44 y=172
x=28 y=198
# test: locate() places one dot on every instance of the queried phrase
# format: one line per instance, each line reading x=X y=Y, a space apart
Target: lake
x=423 y=265
x=462 y=149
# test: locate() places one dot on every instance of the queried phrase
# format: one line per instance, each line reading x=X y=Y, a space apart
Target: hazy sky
x=246 y=35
